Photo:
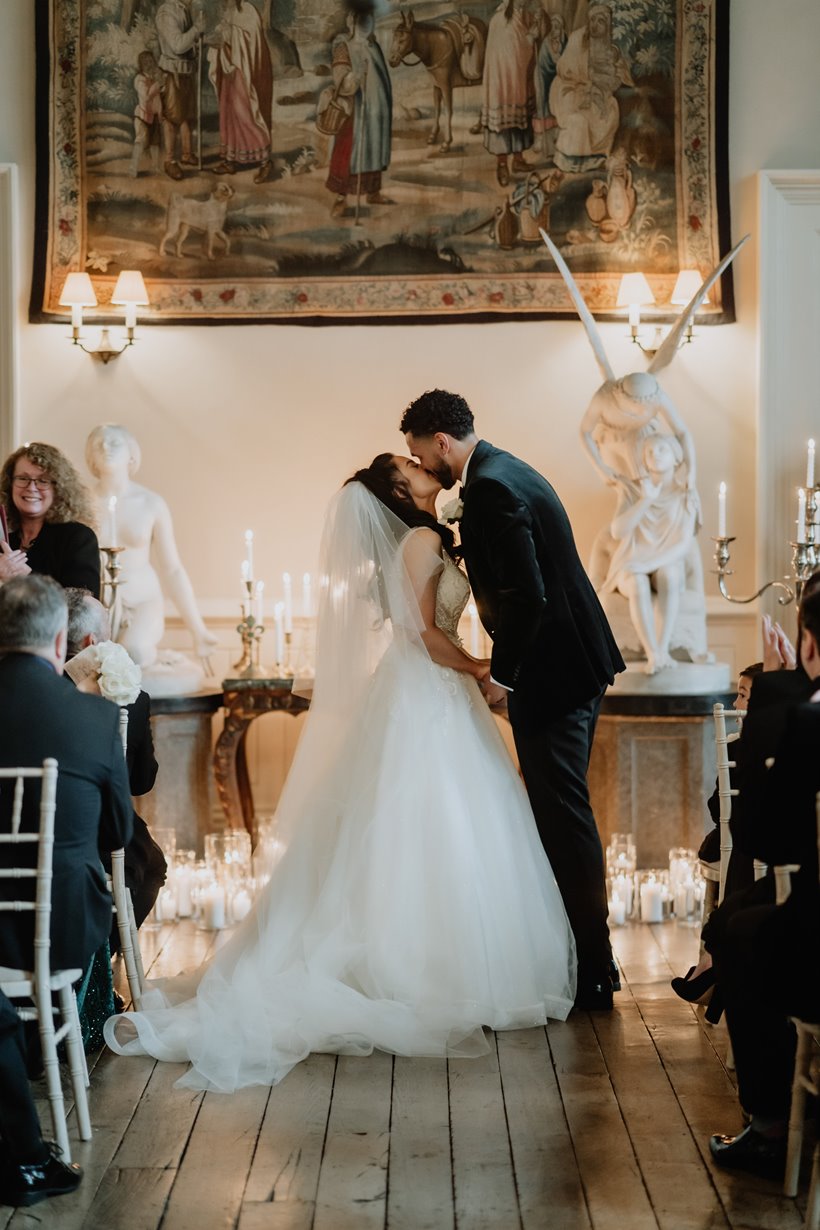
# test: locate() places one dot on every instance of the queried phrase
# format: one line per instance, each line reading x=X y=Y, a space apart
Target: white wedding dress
x=414 y=903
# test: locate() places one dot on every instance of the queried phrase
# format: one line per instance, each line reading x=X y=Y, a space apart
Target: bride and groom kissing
x=424 y=894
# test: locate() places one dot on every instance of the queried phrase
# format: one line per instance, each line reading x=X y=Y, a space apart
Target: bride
x=414 y=903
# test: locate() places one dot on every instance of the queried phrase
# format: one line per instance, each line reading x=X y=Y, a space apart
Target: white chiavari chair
x=806 y=1080
x=42 y=984
x=126 y=923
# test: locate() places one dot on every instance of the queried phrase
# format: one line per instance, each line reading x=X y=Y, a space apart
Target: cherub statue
x=143 y=524
x=638 y=443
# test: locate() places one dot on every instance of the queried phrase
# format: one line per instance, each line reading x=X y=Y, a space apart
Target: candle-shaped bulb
x=249 y=553
x=279 y=631
x=112 y=519
x=722 y=510
x=634 y=315
x=260 y=594
x=810 y=465
x=307 y=601
x=288 y=604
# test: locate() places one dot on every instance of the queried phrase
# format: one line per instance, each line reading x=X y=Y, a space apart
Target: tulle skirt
x=414 y=903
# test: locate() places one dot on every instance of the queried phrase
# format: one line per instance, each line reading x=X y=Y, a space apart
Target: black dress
x=67 y=551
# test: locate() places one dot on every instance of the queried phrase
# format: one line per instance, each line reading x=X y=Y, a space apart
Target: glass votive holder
x=184 y=869
x=652 y=895
x=228 y=854
x=621 y=855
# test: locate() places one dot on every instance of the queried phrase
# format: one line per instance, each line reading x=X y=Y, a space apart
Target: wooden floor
x=599 y=1122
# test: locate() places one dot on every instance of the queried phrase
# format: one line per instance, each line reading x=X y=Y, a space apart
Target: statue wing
x=583 y=311
x=669 y=346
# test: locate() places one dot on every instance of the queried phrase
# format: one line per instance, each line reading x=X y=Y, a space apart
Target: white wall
x=256 y=426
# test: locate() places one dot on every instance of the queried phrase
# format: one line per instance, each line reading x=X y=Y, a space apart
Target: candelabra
x=251 y=631
x=110 y=587
x=805 y=558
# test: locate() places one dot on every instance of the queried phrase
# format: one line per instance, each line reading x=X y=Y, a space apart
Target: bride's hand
x=481 y=670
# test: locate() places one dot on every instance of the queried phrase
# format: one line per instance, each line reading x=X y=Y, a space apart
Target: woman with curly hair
x=49 y=519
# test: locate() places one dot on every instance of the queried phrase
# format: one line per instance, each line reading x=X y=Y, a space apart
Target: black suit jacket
x=42 y=714
x=773 y=697
x=67 y=551
x=551 y=640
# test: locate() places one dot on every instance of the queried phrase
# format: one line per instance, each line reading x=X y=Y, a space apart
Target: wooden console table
x=244 y=700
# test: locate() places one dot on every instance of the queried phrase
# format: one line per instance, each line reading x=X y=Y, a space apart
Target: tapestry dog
x=186 y=214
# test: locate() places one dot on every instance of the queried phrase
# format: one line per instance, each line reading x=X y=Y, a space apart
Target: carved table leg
x=231 y=781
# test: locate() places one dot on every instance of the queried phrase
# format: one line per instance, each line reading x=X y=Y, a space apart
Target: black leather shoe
x=23 y=1186
x=693 y=990
x=760 y=1155
x=614 y=975
x=594 y=996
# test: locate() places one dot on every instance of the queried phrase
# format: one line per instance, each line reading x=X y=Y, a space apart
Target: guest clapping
x=50 y=518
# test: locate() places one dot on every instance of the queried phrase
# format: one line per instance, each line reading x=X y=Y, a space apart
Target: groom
x=553 y=652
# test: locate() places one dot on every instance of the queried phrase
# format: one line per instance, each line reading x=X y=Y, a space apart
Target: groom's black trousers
x=554 y=762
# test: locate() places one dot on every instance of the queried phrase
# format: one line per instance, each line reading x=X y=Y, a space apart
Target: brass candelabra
x=251 y=631
x=110 y=587
x=805 y=559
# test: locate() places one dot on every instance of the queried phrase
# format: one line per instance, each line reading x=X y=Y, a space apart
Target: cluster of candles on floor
x=655 y=894
x=219 y=890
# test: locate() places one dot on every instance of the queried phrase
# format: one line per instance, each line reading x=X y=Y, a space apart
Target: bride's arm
x=424 y=578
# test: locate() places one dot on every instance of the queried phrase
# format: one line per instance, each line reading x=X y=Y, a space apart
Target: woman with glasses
x=48 y=518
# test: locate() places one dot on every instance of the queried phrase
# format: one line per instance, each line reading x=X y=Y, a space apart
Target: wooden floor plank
x=544 y=1163
x=210 y=1182
x=352 y=1193
x=485 y=1194
x=420 y=1179
x=614 y=1187
x=288 y=1154
x=128 y=1200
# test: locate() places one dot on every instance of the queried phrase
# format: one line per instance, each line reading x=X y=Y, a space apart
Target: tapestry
x=313 y=161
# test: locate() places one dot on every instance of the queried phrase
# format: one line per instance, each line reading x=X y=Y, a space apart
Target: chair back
x=44 y=838
x=124 y=729
x=725 y=791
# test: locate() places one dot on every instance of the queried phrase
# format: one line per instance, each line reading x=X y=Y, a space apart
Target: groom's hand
x=494 y=694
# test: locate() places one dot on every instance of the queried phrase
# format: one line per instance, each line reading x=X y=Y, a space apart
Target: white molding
x=9 y=369
x=789 y=372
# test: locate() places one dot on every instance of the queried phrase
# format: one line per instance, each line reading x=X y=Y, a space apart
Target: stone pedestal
x=652 y=770
x=184 y=795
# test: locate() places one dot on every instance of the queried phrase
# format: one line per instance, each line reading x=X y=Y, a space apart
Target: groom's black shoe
x=594 y=996
x=750 y=1151
x=614 y=975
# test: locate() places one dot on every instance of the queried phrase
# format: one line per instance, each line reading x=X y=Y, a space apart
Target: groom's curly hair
x=438 y=410
x=384 y=479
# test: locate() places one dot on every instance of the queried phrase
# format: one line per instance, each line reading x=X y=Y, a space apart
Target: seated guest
x=30 y=1169
x=145 y=866
x=775 y=690
x=42 y=714
x=768 y=959
x=49 y=515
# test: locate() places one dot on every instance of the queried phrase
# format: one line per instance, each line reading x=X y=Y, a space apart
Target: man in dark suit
x=42 y=714
x=145 y=866
x=30 y=1168
x=553 y=652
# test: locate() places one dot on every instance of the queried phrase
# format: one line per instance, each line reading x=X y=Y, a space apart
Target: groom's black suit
x=553 y=647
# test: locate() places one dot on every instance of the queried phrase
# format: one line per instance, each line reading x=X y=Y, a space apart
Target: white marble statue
x=140 y=522
x=646 y=563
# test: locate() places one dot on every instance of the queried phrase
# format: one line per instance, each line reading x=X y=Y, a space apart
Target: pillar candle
x=213 y=907
x=651 y=902
x=241 y=904
x=184 y=881
x=722 y=510
x=617 y=911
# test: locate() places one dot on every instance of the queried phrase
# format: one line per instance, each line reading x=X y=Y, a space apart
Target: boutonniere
x=452 y=511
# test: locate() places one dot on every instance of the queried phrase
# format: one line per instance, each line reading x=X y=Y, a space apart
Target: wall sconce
x=129 y=291
x=634 y=291
x=689 y=282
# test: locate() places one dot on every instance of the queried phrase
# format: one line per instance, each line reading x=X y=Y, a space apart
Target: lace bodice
x=451 y=599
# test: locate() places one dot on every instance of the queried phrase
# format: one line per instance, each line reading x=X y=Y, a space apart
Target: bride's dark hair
x=384 y=479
